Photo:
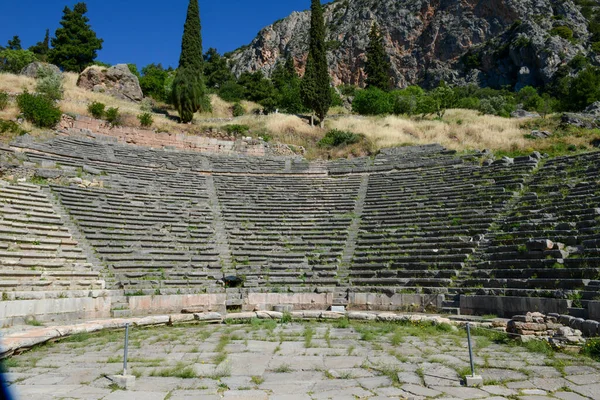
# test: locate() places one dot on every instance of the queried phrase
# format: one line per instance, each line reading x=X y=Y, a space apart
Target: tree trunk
x=312 y=120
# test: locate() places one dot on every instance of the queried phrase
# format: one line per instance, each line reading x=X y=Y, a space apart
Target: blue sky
x=146 y=31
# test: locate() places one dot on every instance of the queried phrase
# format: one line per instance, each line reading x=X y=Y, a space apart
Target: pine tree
x=75 y=45
x=41 y=49
x=315 y=87
x=188 y=87
x=377 y=67
x=216 y=69
x=14 y=44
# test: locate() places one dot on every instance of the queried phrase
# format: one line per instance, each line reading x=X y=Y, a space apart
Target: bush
x=469 y=103
x=238 y=110
x=596 y=47
x=50 y=84
x=530 y=98
x=11 y=127
x=3 y=100
x=146 y=120
x=39 y=110
x=372 y=101
x=113 y=116
x=236 y=130
x=97 y=109
x=15 y=60
x=496 y=105
x=335 y=138
x=563 y=31
x=348 y=90
x=592 y=348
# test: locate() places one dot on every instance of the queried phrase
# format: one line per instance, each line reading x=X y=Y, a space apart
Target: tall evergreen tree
x=378 y=66
x=75 y=45
x=315 y=87
x=216 y=69
x=188 y=87
x=14 y=43
x=41 y=49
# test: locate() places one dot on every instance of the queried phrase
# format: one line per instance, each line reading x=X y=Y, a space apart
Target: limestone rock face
x=117 y=81
x=32 y=69
x=509 y=41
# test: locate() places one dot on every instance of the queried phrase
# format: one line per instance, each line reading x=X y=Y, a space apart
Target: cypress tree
x=377 y=67
x=75 y=45
x=315 y=88
x=188 y=87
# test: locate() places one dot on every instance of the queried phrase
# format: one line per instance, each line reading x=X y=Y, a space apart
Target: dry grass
x=460 y=130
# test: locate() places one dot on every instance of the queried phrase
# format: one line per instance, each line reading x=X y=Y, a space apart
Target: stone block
x=594 y=310
x=508 y=306
x=126 y=382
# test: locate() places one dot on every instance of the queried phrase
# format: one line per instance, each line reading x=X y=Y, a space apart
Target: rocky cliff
x=486 y=42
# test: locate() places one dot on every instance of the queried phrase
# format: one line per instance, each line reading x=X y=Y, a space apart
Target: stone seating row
x=561 y=205
x=37 y=250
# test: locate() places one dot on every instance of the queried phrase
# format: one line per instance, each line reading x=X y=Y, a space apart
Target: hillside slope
x=486 y=42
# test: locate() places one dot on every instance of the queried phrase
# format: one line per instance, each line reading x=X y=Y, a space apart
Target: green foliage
x=50 y=83
x=530 y=98
x=257 y=88
x=377 y=66
x=38 y=109
x=146 y=120
x=113 y=116
x=237 y=110
x=11 y=127
x=41 y=49
x=496 y=105
x=216 y=70
x=372 y=101
x=153 y=82
x=336 y=138
x=315 y=86
x=189 y=92
x=3 y=100
x=592 y=348
x=14 y=43
x=596 y=47
x=348 y=90
x=231 y=91
x=75 y=44
x=236 y=130
x=14 y=61
x=562 y=31
x=96 y=109
x=134 y=70
x=287 y=86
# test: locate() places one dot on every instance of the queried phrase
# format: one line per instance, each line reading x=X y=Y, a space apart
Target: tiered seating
x=561 y=205
x=37 y=251
x=287 y=231
x=75 y=149
x=149 y=235
x=419 y=226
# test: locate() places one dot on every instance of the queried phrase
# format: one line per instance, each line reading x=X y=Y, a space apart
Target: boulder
x=541 y=134
x=32 y=69
x=579 y=120
x=522 y=114
x=117 y=81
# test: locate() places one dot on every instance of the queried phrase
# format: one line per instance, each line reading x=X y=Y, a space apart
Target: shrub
x=530 y=98
x=236 y=130
x=15 y=60
x=97 y=109
x=592 y=348
x=50 y=84
x=238 y=110
x=147 y=105
x=39 y=110
x=113 y=116
x=372 y=101
x=496 y=105
x=347 y=90
x=469 y=103
x=146 y=120
x=3 y=100
x=335 y=138
x=11 y=127
x=596 y=47
x=562 y=31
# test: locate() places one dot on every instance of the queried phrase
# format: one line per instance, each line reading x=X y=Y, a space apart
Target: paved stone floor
x=266 y=360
